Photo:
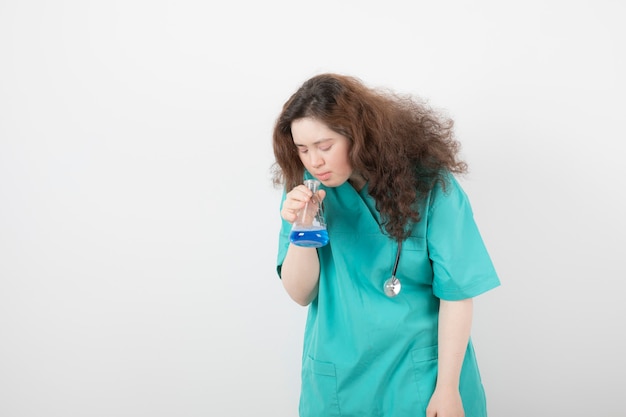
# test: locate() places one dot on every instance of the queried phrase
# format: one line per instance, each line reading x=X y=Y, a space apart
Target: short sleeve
x=462 y=267
x=283 y=239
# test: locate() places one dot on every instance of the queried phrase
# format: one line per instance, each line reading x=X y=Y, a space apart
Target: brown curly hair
x=401 y=146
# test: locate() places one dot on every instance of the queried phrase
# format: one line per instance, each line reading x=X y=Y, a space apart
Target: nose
x=316 y=159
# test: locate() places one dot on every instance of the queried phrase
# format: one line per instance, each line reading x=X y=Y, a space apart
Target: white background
x=138 y=223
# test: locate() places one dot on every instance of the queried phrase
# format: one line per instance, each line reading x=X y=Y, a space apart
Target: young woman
x=392 y=204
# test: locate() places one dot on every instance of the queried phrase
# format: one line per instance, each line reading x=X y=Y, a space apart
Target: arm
x=301 y=268
x=455 y=321
x=300 y=274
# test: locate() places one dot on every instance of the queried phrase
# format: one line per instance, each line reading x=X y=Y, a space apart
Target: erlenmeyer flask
x=309 y=229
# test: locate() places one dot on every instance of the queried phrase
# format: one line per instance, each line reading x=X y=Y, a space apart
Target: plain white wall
x=138 y=224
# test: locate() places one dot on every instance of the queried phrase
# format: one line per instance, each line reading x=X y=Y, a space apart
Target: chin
x=332 y=183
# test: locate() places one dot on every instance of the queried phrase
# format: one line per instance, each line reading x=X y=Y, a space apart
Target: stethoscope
x=393 y=285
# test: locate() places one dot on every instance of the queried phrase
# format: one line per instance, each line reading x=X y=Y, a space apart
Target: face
x=323 y=152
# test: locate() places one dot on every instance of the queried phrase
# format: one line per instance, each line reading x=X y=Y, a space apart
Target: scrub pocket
x=415 y=268
x=319 y=390
x=425 y=366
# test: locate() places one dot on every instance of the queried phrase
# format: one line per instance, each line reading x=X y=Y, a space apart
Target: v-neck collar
x=350 y=211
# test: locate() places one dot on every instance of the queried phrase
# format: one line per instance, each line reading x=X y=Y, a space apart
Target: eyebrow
x=317 y=142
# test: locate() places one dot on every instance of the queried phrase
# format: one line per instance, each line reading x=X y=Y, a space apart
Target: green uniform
x=369 y=355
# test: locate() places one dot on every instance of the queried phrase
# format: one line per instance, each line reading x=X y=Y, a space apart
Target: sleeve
x=462 y=267
x=283 y=239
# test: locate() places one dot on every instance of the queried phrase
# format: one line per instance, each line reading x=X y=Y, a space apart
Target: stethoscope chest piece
x=393 y=285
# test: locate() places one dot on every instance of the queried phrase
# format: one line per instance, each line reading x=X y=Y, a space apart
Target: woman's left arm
x=455 y=322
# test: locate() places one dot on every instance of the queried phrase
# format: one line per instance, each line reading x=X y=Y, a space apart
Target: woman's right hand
x=296 y=200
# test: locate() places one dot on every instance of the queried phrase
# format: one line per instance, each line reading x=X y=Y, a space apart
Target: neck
x=357 y=181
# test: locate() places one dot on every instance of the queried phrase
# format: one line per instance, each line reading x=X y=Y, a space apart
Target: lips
x=324 y=176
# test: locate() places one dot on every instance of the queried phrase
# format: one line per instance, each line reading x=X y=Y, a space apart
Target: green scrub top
x=365 y=354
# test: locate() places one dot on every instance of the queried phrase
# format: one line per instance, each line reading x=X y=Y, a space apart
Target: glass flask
x=309 y=229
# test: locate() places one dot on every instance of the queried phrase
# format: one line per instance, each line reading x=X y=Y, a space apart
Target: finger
x=291 y=208
x=289 y=216
x=301 y=193
x=295 y=205
x=321 y=194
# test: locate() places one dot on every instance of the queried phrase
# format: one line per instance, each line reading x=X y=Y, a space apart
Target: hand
x=296 y=200
x=445 y=402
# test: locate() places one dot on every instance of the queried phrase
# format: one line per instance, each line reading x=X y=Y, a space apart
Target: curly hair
x=401 y=146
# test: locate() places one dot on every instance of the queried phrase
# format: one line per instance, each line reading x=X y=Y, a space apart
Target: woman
x=386 y=163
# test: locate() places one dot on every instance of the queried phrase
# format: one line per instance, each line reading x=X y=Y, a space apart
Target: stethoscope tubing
x=392 y=286
x=395 y=265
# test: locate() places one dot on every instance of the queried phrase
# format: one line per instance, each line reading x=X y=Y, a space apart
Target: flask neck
x=312 y=185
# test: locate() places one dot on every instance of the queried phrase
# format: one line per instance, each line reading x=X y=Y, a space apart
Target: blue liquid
x=309 y=238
